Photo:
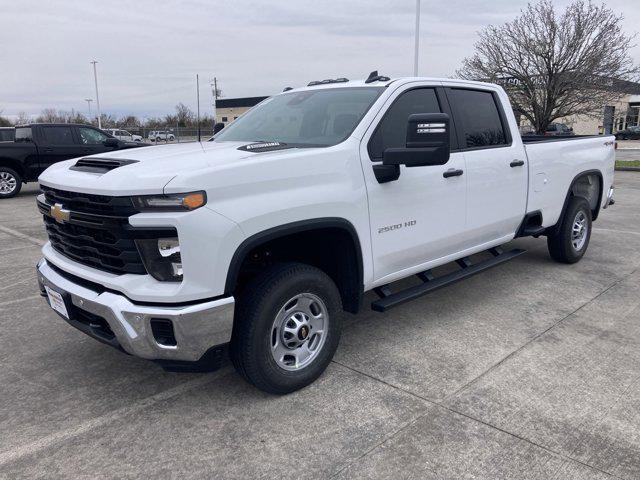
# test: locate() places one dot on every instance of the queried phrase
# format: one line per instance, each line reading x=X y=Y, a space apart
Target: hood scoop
x=100 y=165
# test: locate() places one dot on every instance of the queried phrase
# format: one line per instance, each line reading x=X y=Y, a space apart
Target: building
x=623 y=113
x=228 y=109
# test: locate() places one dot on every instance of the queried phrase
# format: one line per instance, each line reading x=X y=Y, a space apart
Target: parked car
x=558 y=130
x=123 y=135
x=7 y=134
x=38 y=146
x=157 y=135
x=629 y=133
x=257 y=241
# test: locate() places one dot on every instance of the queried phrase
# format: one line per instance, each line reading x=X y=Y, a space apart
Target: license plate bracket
x=60 y=302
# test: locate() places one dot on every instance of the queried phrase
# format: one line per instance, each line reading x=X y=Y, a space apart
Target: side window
x=392 y=129
x=476 y=111
x=89 y=136
x=58 y=135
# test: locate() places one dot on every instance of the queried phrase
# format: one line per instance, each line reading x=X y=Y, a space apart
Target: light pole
x=89 y=100
x=95 y=79
x=415 y=59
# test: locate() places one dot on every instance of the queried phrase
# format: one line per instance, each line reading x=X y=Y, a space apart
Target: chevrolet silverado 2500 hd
x=260 y=238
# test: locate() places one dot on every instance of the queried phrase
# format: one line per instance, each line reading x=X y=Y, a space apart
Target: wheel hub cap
x=579 y=231
x=7 y=182
x=299 y=331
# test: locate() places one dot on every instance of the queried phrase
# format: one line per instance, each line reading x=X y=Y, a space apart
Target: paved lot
x=530 y=370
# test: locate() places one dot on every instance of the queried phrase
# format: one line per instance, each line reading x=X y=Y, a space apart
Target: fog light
x=168 y=246
x=162 y=258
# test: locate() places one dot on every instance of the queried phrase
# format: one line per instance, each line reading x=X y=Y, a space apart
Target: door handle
x=516 y=163
x=452 y=173
x=48 y=149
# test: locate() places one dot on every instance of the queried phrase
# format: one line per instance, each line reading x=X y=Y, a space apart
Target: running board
x=388 y=299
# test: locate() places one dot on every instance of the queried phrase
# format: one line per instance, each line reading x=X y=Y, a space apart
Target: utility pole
x=415 y=59
x=89 y=100
x=214 y=92
x=198 y=101
x=95 y=79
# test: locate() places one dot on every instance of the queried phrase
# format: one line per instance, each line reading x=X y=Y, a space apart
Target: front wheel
x=10 y=182
x=287 y=328
x=570 y=242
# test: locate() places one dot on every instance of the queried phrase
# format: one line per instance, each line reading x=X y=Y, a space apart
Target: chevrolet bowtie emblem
x=60 y=214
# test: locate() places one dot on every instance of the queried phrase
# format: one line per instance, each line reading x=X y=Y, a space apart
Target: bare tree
x=22 y=119
x=554 y=65
x=184 y=116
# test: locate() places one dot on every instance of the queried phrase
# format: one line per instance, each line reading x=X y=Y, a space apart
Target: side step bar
x=388 y=299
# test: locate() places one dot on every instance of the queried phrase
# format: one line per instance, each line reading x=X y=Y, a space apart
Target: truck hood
x=150 y=170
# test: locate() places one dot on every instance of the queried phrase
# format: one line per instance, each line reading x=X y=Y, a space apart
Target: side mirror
x=111 y=142
x=427 y=142
x=217 y=127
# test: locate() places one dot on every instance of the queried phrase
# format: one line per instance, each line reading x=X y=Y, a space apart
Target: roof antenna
x=374 y=77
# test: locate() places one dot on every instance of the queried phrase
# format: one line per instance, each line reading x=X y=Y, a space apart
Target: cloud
x=150 y=51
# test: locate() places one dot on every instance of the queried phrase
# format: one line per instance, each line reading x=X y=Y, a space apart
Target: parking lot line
x=16 y=233
x=66 y=434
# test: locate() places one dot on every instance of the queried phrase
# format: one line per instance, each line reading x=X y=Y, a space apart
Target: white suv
x=123 y=135
x=157 y=135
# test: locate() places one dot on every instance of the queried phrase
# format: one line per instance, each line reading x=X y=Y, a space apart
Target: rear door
x=496 y=165
x=421 y=216
x=57 y=143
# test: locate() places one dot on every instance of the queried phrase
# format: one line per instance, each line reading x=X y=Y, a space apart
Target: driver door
x=421 y=216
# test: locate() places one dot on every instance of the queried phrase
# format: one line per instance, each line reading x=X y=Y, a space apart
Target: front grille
x=89 y=203
x=104 y=241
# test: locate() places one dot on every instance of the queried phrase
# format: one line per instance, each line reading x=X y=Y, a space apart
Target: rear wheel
x=570 y=242
x=287 y=328
x=10 y=182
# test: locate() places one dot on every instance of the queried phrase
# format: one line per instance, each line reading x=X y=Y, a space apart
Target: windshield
x=313 y=118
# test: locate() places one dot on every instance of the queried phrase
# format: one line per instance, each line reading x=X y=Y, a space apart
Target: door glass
x=477 y=112
x=24 y=134
x=58 y=135
x=89 y=136
x=392 y=129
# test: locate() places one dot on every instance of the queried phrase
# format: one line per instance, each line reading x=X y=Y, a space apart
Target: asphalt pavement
x=530 y=370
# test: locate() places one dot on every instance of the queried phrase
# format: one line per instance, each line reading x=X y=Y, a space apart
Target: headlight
x=169 y=203
x=161 y=257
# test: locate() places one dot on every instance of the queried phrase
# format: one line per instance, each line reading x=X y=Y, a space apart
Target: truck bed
x=554 y=162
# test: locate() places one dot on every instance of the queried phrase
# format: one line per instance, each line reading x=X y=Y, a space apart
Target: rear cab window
x=24 y=134
x=479 y=120
x=58 y=135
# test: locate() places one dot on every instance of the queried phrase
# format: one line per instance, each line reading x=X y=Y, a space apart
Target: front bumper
x=197 y=327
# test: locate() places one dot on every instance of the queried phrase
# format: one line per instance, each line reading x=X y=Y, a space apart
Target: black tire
x=257 y=311
x=8 y=177
x=561 y=245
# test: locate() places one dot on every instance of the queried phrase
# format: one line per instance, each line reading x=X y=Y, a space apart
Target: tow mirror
x=111 y=142
x=217 y=127
x=427 y=144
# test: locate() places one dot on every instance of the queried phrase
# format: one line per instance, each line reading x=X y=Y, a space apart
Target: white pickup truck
x=255 y=242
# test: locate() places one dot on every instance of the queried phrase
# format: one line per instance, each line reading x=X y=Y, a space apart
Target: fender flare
x=287 y=229
x=598 y=173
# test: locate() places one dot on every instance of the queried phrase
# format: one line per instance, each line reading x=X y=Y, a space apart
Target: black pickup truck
x=37 y=146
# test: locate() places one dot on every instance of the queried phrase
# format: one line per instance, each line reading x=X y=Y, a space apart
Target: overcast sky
x=150 y=51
